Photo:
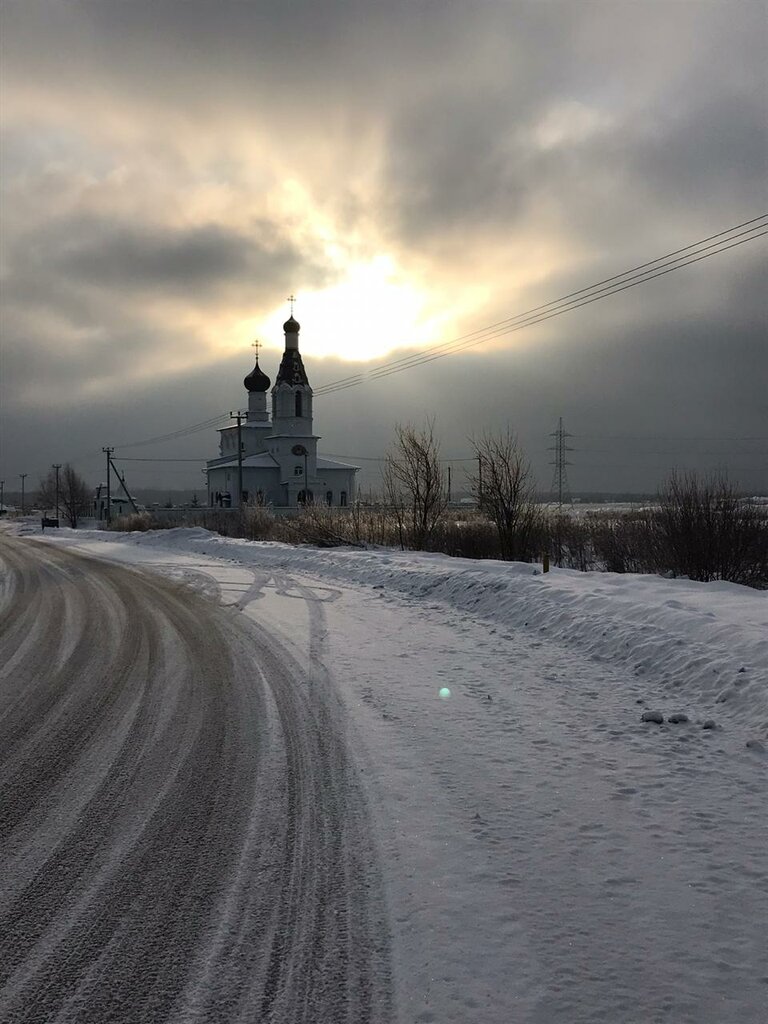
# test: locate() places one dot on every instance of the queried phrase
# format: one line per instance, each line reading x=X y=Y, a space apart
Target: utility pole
x=57 y=467
x=560 y=461
x=239 y=417
x=108 y=453
x=121 y=481
x=479 y=479
x=23 y=478
x=2 y=489
x=449 y=485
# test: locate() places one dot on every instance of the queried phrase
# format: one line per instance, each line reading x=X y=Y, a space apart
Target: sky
x=411 y=172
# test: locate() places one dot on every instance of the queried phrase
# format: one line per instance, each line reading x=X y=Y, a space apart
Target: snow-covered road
x=547 y=858
x=183 y=832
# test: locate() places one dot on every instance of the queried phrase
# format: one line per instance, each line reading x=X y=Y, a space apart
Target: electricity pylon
x=560 y=461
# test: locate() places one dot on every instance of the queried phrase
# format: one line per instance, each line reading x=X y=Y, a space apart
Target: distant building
x=280 y=463
x=121 y=506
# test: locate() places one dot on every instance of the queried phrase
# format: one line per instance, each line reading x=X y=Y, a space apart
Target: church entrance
x=305 y=497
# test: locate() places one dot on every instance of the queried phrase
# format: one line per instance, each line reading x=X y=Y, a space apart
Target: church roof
x=262 y=460
x=291 y=326
x=291 y=368
x=323 y=463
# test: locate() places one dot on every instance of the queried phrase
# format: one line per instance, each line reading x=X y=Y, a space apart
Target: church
x=279 y=464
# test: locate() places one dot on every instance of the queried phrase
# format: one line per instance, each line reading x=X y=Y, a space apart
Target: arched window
x=329 y=497
x=343 y=498
x=298 y=403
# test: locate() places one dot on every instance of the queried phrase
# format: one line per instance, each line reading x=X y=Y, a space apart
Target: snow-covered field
x=548 y=856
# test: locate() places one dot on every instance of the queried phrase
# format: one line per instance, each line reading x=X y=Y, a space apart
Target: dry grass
x=706 y=538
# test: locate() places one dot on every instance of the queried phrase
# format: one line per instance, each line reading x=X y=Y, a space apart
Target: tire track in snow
x=184 y=832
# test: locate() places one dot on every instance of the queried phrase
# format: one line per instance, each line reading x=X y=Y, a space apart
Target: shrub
x=708 y=532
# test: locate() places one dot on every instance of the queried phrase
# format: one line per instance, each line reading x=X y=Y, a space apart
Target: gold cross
x=291 y=299
x=257 y=345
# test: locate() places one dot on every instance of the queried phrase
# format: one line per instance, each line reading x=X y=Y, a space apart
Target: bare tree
x=505 y=492
x=709 y=532
x=74 y=494
x=414 y=483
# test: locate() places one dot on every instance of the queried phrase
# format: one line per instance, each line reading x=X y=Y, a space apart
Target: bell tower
x=291 y=394
x=292 y=443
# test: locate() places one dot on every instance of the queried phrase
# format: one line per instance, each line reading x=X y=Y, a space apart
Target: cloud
x=172 y=170
x=197 y=262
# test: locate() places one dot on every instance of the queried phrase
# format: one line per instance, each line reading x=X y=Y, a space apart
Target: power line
x=175 y=434
x=420 y=360
x=665 y=437
x=555 y=302
x=640 y=274
x=683 y=456
x=541 y=313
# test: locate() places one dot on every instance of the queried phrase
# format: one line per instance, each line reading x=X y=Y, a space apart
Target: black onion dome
x=291 y=326
x=257 y=380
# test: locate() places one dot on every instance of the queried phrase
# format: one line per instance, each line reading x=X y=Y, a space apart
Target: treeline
x=699 y=527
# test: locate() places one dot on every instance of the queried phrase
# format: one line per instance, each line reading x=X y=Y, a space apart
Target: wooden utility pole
x=57 y=467
x=121 y=481
x=108 y=453
x=239 y=417
x=23 y=478
x=449 y=485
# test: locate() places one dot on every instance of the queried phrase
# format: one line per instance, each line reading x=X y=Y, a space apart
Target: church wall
x=281 y=491
x=252 y=435
x=223 y=480
x=284 y=410
x=337 y=481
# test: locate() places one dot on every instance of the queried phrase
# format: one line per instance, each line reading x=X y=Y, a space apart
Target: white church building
x=279 y=462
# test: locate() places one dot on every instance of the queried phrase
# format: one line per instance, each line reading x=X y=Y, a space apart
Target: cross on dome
x=291 y=325
x=257 y=380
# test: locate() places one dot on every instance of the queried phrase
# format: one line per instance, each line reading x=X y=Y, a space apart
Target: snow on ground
x=549 y=857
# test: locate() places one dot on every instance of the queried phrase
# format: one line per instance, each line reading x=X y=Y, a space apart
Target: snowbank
x=709 y=640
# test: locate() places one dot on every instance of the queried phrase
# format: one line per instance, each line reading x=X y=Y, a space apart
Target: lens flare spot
x=445 y=693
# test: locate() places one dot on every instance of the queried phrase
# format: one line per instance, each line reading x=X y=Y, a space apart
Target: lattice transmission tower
x=560 y=461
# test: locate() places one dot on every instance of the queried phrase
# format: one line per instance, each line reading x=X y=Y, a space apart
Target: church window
x=298 y=471
x=343 y=499
x=298 y=403
x=329 y=497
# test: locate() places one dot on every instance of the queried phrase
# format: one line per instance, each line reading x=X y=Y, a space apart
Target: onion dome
x=257 y=380
x=291 y=326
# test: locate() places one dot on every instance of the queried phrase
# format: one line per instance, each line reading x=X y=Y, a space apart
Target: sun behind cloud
x=371 y=311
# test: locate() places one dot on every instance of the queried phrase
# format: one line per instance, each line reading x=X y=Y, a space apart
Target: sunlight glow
x=370 y=312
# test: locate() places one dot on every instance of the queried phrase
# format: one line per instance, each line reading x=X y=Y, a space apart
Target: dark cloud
x=149 y=148
x=98 y=252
